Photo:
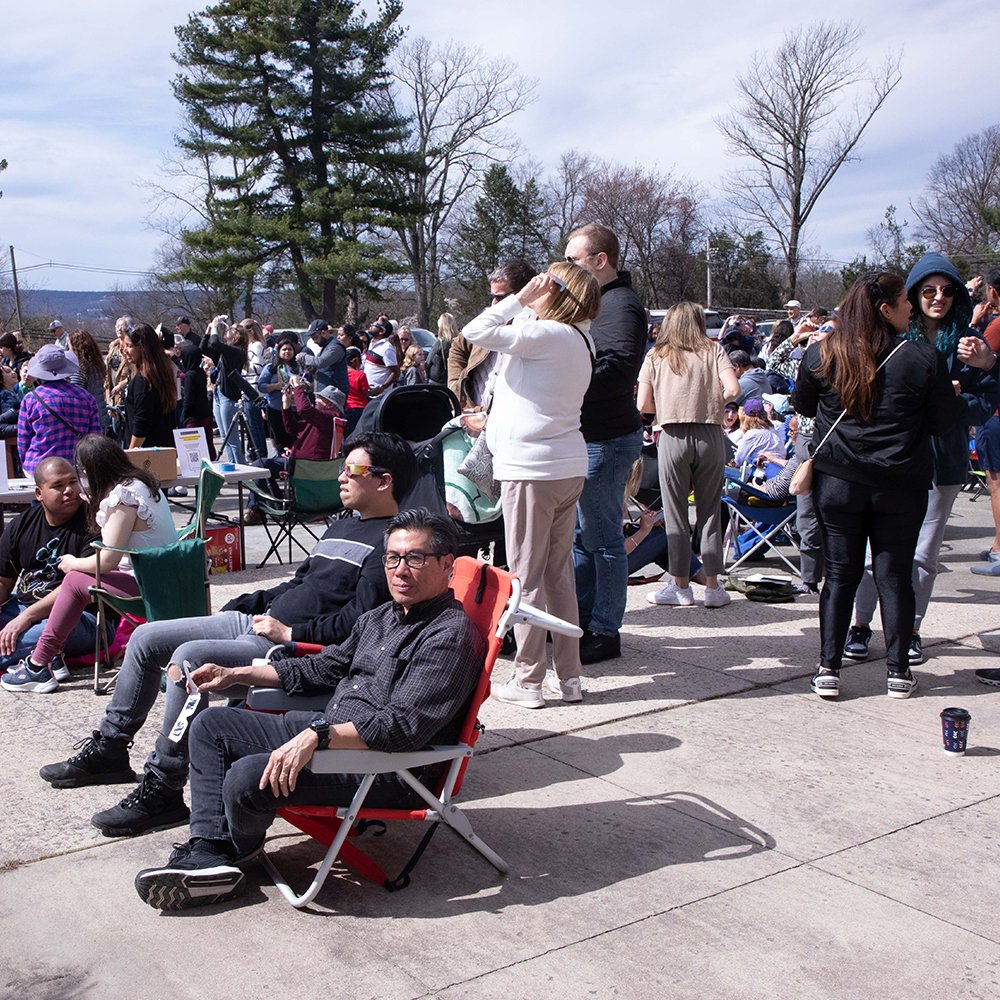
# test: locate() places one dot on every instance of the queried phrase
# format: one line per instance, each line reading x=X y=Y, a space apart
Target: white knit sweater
x=533 y=428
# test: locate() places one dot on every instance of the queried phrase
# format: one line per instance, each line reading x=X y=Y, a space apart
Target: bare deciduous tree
x=960 y=210
x=800 y=114
x=459 y=102
x=656 y=219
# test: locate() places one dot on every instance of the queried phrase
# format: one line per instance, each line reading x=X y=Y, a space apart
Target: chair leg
x=331 y=855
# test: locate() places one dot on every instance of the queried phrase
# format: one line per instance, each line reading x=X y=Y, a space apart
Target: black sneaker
x=856 y=647
x=595 y=647
x=100 y=762
x=151 y=806
x=198 y=873
x=915 y=654
x=900 y=684
x=826 y=683
x=989 y=675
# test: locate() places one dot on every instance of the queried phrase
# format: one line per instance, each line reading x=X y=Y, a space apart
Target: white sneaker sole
x=177 y=889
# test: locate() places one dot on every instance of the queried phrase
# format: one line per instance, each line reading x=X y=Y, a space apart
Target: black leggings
x=852 y=516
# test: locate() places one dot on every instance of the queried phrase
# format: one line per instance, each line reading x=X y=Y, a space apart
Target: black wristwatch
x=322 y=730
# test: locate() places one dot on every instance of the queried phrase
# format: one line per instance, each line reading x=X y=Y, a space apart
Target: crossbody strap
x=833 y=427
x=58 y=416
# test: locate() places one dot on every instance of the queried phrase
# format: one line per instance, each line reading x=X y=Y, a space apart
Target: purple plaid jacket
x=41 y=433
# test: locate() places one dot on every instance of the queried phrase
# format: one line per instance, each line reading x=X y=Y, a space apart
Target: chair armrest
x=377 y=762
x=262 y=699
x=113 y=548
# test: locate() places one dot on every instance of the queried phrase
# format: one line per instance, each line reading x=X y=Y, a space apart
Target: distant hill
x=73 y=308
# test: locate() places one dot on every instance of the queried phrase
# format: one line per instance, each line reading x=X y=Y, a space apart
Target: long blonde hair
x=682 y=332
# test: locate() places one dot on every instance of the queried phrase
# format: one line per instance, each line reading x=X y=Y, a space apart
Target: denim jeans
x=255 y=421
x=79 y=642
x=226 y=638
x=599 y=544
x=225 y=409
x=230 y=748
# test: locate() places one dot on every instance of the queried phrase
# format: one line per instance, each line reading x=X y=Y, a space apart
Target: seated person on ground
x=30 y=550
x=246 y=765
x=341 y=579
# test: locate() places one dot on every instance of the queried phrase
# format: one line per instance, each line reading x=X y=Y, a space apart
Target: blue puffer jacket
x=979 y=388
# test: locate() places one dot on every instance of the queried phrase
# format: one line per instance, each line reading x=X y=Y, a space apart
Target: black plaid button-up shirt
x=403 y=680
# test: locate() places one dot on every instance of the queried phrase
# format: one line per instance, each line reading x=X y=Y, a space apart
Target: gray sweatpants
x=691 y=457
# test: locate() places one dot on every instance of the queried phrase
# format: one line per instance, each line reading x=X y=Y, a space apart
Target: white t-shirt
x=381 y=356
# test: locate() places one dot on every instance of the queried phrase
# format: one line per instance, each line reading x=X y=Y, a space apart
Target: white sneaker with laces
x=672 y=595
x=569 y=689
x=716 y=597
x=512 y=693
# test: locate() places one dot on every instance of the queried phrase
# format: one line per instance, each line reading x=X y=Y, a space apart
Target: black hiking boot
x=152 y=805
x=101 y=761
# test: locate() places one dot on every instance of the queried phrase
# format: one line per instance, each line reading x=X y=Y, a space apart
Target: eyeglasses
x=415 y=559
x=932 y=291
x=576 y=260
x=354 y=470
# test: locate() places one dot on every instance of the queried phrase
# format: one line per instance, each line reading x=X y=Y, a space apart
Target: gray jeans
x=226 y=638
x=940 y=500
x=811 y=566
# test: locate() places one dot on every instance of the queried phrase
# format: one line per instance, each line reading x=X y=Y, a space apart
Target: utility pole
x=17 y=294
x=708 y=272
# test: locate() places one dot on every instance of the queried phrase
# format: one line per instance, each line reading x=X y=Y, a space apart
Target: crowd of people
x=563 y=386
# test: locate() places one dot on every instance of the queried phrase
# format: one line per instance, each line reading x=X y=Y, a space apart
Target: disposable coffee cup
x=955 y=730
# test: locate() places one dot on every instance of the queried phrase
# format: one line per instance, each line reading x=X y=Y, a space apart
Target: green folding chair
x=313 y=493
x=173 y=579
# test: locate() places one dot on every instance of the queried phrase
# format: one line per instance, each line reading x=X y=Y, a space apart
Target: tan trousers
x=539 y=520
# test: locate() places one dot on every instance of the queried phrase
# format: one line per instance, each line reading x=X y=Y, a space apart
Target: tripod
x=242 y=428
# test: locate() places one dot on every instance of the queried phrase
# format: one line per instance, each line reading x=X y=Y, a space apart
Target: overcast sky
x=86 y=112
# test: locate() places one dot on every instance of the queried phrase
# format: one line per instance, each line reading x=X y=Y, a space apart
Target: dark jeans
x=852 y=516
x=229 y=749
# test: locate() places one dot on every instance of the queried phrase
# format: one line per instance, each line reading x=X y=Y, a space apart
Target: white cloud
x=86 y=109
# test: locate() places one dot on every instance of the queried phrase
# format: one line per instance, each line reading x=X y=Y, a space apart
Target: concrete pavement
x=700 y=825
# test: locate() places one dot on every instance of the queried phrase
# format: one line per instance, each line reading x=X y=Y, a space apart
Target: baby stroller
x=419 y=413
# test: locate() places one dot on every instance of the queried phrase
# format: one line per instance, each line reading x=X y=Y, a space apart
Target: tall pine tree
x=283 y=105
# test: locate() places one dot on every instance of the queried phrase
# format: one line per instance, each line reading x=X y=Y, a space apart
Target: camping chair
x=492 y=599
x=313 y=492
x=173 y=579
x=756 y=523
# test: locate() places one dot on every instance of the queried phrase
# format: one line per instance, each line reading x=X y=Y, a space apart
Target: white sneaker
x=512 y=693
x=569 y=689
x=671 y=594
x=716 y=597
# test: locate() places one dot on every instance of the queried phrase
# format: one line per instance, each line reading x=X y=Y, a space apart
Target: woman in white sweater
x=540 y=458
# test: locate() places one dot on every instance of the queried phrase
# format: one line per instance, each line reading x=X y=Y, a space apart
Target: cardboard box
x=222 y=548
x=162 y=462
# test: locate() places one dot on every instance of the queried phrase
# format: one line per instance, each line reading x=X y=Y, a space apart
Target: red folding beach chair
x=491 y=598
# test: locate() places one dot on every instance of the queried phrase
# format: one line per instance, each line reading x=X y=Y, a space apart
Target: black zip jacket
x=915 y=400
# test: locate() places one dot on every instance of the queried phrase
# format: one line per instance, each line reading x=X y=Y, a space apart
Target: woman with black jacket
x=942 y=311
x=230 y=385
x=151 y=393
x=872 y=473
x=196 y=407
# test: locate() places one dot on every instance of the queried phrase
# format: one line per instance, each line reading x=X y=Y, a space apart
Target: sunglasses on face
x=932 y=291
x=354 y=470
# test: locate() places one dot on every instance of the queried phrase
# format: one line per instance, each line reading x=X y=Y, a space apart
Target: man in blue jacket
x=612 y=429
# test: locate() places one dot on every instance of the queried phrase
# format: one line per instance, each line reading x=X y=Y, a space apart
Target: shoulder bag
x=802 y=481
